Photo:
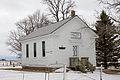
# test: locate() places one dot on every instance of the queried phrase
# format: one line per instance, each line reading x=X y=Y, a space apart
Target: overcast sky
x=12 y=11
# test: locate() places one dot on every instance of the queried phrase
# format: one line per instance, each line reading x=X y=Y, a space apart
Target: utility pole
x=64 y=72
x=101 y=71
x=23 y=75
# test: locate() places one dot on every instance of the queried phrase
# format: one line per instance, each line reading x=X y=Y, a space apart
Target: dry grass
x=28 y=70
x=116 y=72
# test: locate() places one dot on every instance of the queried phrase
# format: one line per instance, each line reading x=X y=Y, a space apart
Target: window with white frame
x=75 y=35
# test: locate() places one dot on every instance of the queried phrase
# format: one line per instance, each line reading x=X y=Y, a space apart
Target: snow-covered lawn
x=96 y=76
x=71 y=75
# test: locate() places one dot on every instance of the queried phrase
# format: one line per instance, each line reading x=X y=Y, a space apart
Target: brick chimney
x=72 y=13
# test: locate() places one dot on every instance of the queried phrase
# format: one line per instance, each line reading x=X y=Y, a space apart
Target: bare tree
x=14 y=43
x=32 y=22
x=25 y=27
x=113 y=6
x=59 y=9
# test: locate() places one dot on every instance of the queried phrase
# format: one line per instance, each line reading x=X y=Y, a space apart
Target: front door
x=75 y=50
x=74 y=61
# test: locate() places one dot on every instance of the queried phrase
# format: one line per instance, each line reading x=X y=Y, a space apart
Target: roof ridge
x=55 y=22
x=63 y=24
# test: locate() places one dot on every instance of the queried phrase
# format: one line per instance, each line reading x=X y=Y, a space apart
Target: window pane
x=75 y=50
x=75 y=35
x=35 y=54
x=27 y=50
x=43 y=48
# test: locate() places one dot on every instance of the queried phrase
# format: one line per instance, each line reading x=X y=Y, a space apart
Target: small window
x=35 y=53
x=75 y=35
x=27 y=50
x=75 y=50
x=43 y=48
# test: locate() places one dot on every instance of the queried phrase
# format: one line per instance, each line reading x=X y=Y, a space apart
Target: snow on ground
x=18 y=75
x=96 y=76
x=71 y=75
x=61 y=70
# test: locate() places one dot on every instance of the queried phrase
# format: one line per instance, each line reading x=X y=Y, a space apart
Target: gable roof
x=46 y=30
x=49 y=29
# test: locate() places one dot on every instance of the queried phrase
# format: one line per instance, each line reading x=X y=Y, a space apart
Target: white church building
x=58 y=43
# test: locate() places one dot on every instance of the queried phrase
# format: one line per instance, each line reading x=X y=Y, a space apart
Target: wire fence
x=21 y=75
x=59 y=74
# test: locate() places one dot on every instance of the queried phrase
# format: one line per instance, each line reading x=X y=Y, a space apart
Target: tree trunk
x=105 y=61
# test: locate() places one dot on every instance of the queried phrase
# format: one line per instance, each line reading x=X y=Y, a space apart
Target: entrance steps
x=84 y=65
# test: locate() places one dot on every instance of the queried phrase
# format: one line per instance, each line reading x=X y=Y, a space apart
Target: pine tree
x=107 y=45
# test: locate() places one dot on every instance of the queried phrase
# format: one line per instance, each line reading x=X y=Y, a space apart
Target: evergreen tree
x=107 y=44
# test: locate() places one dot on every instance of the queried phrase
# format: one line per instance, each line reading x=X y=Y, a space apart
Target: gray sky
x=12 y=11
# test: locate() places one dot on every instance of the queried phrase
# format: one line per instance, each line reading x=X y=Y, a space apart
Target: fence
x=56 y=75
x=20 y=75
x=9 y=63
